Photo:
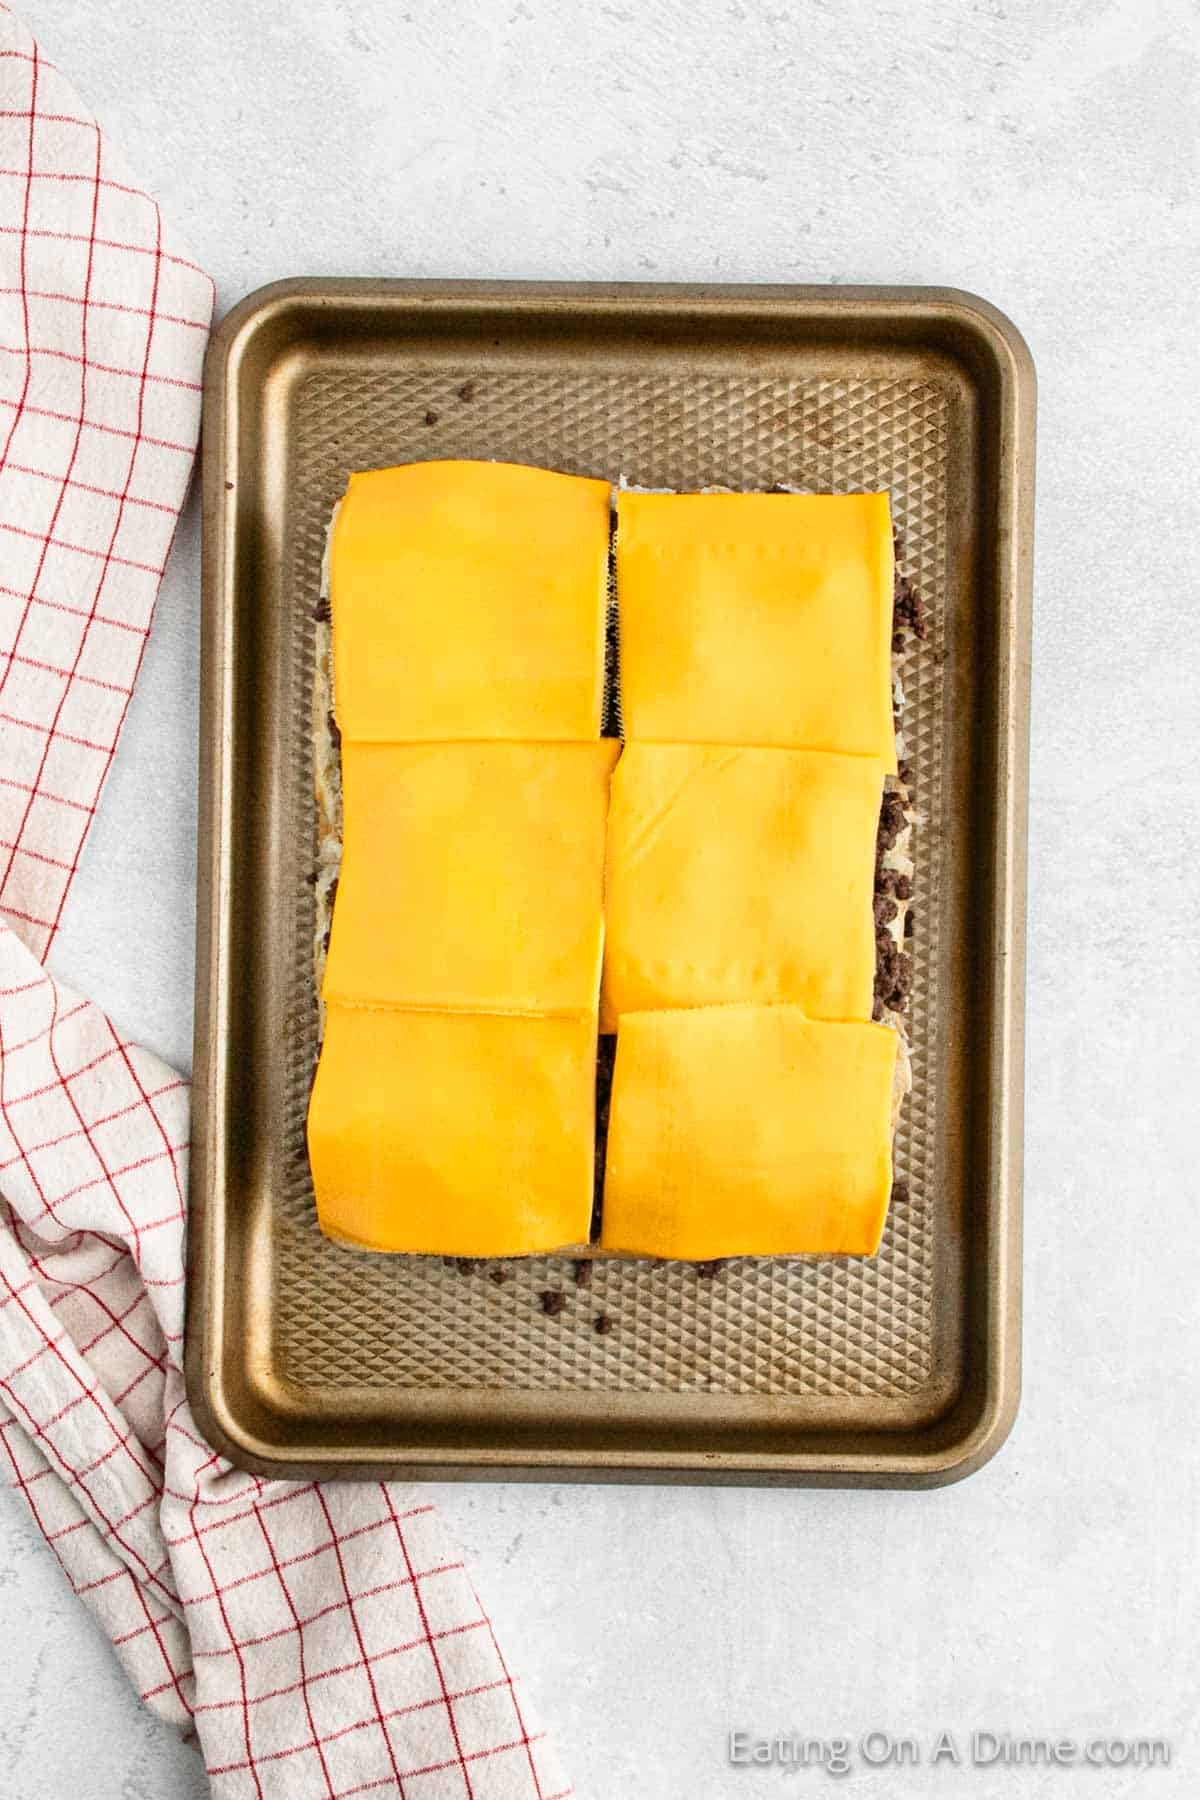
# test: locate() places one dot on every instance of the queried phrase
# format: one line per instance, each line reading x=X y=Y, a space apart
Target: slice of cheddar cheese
x=453 y=1134
x=740 y=876
x=758 y=619
x=748 y=1131
x=469 y=601
x=471 y=876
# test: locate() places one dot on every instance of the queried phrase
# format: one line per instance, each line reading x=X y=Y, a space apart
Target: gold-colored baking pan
x=304 y=1358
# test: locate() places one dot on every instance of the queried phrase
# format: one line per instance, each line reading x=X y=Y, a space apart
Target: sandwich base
x=894 y=889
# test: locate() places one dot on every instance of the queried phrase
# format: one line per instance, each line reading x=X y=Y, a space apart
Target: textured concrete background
x=1041 y=152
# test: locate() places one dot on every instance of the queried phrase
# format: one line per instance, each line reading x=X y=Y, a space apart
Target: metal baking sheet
x=307 y=1359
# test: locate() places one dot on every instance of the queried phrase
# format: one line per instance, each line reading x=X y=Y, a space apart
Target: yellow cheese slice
x=453 y=1134
x=748 y=1131
x=740 y=876
x=758 y=619
x=471 y=876
x=469 y=601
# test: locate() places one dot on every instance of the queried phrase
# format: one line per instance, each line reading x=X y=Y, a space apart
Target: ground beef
x=893 y=973
x=908 y=608
x=895 y=882
x=893 y=821
x=606 y=1057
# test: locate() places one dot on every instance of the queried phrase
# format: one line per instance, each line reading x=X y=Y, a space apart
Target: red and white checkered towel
x=323 y=1640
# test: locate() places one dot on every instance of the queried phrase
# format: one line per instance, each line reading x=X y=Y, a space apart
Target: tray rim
x=994 y=337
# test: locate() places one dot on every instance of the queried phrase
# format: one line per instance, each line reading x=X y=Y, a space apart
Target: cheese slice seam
x=469 y=1012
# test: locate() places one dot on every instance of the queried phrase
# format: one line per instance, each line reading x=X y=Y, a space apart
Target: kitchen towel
x=320 y=1639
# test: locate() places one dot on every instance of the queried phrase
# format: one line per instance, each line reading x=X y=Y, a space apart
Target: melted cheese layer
x=468 y=602
x=453 y=1133
x=740 y=876
x=758 y=619
x=748 y=1131
x=453 y=1107
x=471 y=876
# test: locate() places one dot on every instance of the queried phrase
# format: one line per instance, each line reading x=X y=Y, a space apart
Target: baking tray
x=306 y=1359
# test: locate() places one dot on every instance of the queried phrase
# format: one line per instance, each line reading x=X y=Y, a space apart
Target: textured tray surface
x=832 y=1326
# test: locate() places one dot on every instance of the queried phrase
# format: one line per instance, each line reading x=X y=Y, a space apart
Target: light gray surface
x=1041 y=152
